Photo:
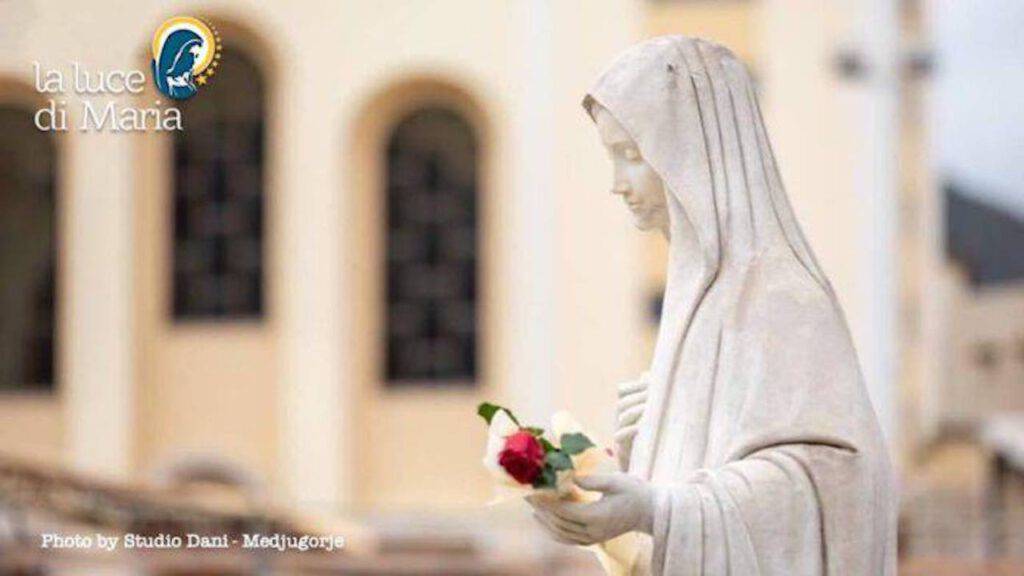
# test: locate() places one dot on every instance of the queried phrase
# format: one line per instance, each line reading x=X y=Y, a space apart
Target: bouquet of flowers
x=526 y=460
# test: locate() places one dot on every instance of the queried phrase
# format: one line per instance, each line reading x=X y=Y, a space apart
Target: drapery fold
x=758 y=432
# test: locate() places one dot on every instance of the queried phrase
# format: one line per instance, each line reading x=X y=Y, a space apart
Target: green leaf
x=538 y=432
x=486 y=410
x=547 y=478
x=573 y=444
x=558 y=460
x=548 y=446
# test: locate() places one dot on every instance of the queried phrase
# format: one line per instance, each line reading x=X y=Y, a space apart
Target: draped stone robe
x=758 y=431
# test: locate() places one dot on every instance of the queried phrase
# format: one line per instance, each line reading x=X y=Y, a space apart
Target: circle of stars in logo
x=205 y=75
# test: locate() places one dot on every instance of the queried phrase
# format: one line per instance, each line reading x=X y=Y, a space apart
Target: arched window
x=432 y=250
x=218 y=197
x=27 y=252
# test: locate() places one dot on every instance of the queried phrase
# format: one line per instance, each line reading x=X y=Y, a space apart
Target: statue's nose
x=621 y=188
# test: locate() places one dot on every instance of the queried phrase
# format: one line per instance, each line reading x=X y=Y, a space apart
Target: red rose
x=523 y=457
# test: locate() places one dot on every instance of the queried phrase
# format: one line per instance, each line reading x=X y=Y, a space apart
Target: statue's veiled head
x=692 y=158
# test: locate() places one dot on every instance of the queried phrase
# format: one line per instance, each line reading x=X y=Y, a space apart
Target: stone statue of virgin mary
x=750 y=447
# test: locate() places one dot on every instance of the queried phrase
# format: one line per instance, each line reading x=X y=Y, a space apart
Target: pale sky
x=978 y=117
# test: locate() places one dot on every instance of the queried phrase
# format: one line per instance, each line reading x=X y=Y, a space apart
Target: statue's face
x=634 y=179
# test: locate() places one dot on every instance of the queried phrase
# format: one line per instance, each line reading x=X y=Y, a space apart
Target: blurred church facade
x=382 y=214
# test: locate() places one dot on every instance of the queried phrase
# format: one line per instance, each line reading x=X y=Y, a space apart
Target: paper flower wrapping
x=524 y=460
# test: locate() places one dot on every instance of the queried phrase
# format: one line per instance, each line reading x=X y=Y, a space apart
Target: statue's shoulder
x=784 y=295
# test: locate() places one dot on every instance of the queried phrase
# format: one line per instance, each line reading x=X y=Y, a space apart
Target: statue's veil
x=750 y=324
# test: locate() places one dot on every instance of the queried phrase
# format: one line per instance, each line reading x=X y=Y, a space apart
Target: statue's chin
x=643 y=221
x=647 y=224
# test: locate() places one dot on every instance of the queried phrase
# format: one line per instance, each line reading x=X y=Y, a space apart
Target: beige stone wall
x=984 y=365
x=397 y=434
x=296 y=397
x=730 y=23
x=421 y=448
x=202 y=387
x=32 y=427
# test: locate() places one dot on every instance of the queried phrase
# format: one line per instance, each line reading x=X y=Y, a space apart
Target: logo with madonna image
x=186 y=53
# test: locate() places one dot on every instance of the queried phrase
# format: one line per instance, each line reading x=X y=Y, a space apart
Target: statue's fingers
x=626 y=434
x=630 y=416
x=541 y=502
x=554 y=535
x=624 y=449
x=638 y=399
x=547 y=522
x=567 y=527
x=633 y=399
x=599 y=482
x=631 y=387
x=576 y=512
x=623 y=457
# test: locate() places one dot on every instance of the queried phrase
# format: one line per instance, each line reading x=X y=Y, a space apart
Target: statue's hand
x=627 y=504
x=632 y=399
